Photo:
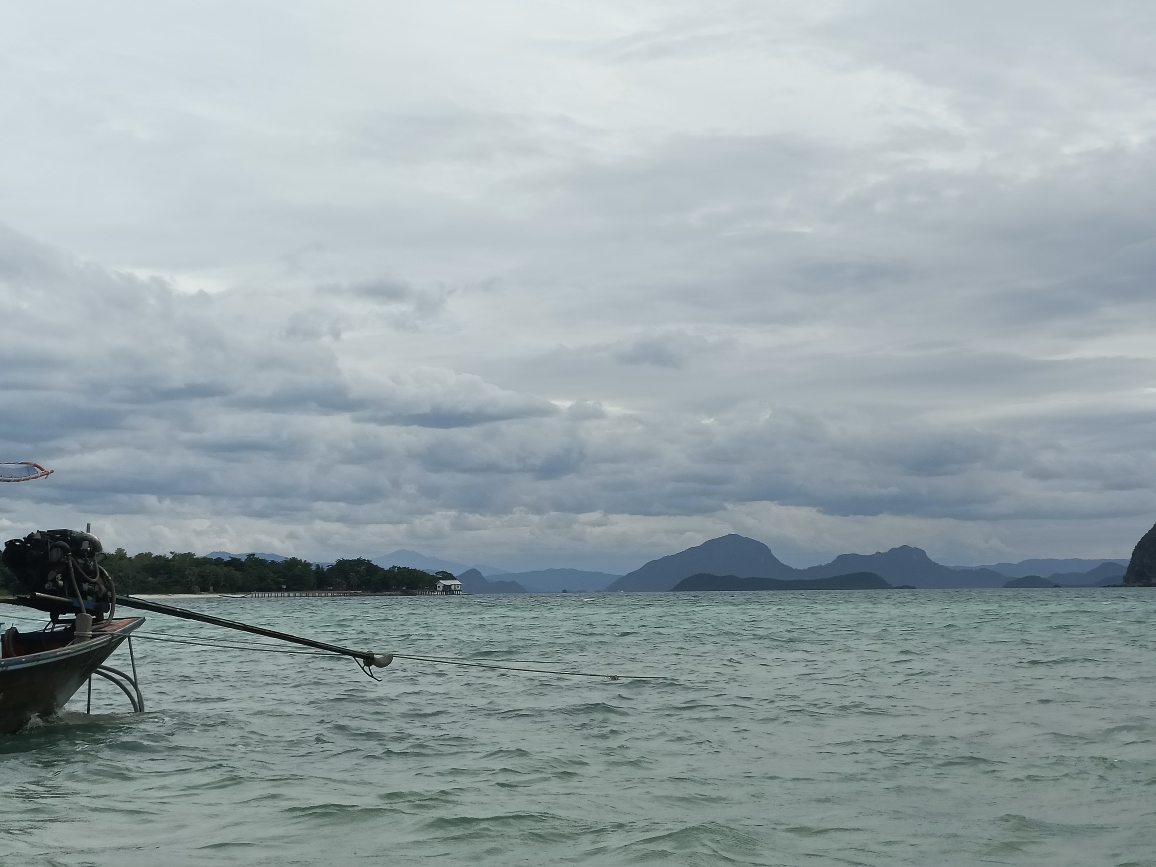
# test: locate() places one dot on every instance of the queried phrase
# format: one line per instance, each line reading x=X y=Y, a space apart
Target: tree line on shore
x=188 y=573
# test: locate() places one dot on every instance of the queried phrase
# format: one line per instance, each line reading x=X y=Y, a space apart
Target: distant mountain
x=1046 y=566
x=906 y=565
x=414 y=560
x=225 y=555
x=854 y=581
x=474 y=581
x=557 y=580
x=726 y=555
x=1031 y=581
x=734 y=555
x=748 y=558
x=1103 y=575
x=488 y=570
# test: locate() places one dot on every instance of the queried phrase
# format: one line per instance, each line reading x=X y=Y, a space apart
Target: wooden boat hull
x=41 y=683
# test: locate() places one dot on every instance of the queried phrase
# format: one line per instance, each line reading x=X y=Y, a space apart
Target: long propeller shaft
x=378 y=660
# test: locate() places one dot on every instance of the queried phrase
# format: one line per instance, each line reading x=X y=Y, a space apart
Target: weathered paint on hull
x=40 y=684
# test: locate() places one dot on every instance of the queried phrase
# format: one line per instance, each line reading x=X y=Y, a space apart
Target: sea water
x=813 y=728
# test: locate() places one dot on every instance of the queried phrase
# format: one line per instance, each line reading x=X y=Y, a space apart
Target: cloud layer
x=566 y=285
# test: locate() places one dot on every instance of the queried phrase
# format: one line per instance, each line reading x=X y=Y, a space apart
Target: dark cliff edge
x=1142 y=567
x=853 y=581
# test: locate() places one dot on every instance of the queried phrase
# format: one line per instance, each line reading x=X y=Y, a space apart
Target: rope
x=447 y=661
x=437 y=660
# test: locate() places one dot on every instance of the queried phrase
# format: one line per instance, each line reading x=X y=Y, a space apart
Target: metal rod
x=50 y=598
x=367 y=658
x=89 y=708
x=132 y=659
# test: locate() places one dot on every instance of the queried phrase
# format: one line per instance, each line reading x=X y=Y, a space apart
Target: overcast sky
x=581 y=283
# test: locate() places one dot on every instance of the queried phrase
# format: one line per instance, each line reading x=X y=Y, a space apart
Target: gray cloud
x=440 y=399
x=582 y=289
x=313 y=324
x=671 y=349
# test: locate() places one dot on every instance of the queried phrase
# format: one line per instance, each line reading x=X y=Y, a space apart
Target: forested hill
x=188 y=573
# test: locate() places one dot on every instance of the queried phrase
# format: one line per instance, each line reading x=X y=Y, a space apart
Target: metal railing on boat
x=122 y=679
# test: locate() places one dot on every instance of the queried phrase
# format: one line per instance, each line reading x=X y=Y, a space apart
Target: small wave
x=332 y=814
x=813 y=831
x=422 y=800
x=1062 y=660
x=594 y=709
x=540 y=827
x=1020 y=824
x=717 y=842
x=968 y=762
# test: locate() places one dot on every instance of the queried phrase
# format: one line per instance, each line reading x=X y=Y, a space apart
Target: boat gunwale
x=74 y=647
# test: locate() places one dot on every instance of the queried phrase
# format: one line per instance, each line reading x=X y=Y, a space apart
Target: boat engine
x=61 y=571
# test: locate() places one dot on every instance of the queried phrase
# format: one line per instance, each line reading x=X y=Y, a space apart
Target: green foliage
x=188 y=573
x=361 y=574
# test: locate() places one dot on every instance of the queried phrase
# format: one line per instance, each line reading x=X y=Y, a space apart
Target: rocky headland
x=1142 y=567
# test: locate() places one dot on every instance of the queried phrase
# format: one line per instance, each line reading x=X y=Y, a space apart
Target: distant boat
x=40 y=671
x=233 y=595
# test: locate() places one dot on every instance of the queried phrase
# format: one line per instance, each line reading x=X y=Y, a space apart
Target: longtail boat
x=40 y=671
x=60 y=573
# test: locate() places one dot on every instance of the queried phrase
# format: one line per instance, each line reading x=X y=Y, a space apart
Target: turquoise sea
x=811 y=728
